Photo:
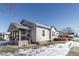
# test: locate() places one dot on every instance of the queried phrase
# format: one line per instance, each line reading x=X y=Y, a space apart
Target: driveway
x=74 y=51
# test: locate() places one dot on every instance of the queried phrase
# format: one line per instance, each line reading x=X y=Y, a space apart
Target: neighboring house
x=5 y=36
x=30 y=32
x=65 y=36
x=76 y=34
x=1 y=36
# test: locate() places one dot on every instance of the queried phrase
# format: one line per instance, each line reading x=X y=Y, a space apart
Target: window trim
x=43 y=32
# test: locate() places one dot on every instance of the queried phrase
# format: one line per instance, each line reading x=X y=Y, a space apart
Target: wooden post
x=12 y=35
x=19 y=37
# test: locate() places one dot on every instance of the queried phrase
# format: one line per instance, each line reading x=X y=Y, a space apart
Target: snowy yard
x=57 y=50
x=51 y=50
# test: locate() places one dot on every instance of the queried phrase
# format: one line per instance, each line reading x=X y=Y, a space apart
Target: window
x=53 y=33
x=43 y=33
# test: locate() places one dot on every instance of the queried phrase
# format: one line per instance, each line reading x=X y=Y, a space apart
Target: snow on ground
x=57 y=50
x=51 y=50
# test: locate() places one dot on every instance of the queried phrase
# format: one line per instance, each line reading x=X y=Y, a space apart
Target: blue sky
x=59 y=15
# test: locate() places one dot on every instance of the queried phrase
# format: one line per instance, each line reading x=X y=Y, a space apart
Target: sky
x=58 y=15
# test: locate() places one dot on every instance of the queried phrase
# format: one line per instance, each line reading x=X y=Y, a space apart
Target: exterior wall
x=54 y=32
x=39 y=36
x=7 y=37
x=33 y=34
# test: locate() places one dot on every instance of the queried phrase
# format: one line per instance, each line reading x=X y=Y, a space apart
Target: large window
x=43 y=32
x=53 y=33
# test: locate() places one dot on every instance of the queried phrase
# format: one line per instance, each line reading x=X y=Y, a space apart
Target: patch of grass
x=8 y=49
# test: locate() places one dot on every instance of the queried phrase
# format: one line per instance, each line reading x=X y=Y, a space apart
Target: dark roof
x=37 y=24
x=20 y=26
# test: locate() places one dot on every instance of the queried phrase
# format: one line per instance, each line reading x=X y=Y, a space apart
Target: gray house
x=28 y=32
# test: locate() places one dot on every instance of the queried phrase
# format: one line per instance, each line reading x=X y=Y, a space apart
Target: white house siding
x=53 y=31
x=33 y=35
x=39 y=36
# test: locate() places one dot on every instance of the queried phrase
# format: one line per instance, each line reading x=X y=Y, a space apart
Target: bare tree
x=68 y=30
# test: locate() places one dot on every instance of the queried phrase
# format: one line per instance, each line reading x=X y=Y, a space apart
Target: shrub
x=56 y=39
